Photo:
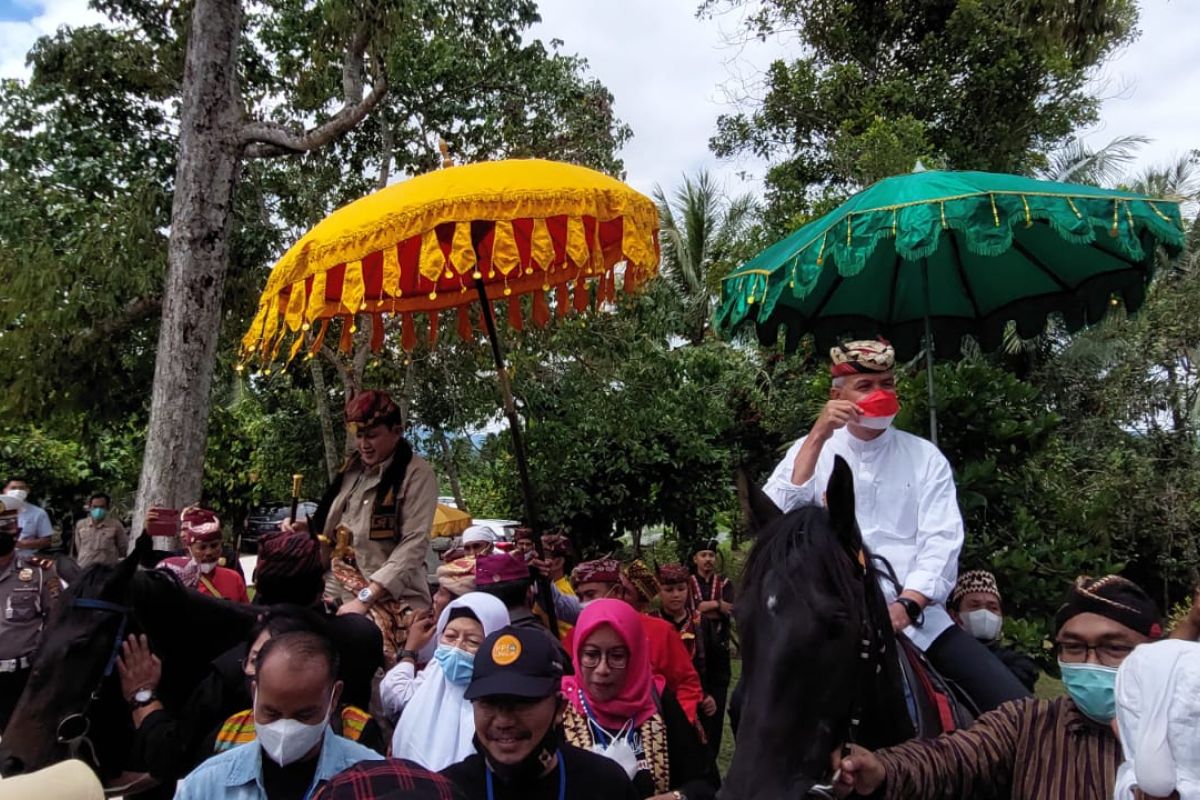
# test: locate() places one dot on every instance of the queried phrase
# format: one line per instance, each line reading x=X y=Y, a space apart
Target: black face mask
x=8 y=543
x=532 y=766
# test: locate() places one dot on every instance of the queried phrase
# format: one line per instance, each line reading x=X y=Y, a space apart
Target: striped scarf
x=239 y=729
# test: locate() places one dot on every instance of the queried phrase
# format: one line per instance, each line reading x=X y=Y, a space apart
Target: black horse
x=72 y=705
x=819 y=660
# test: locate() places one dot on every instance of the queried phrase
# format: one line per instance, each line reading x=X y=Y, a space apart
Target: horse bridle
x=828 y=790
x=77 y=743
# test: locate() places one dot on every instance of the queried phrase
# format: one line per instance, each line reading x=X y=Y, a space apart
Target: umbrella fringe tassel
x=514 y=313
x=434 y=321
x=541 y=310
x=464 y=324
x=408 y=332
x=562 y=300
x=376 y=332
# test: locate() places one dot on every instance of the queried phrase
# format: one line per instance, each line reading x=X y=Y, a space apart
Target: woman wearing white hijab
x=437 y=725
x=1158 y=720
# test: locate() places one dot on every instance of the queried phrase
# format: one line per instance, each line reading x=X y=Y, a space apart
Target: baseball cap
x=521 y=662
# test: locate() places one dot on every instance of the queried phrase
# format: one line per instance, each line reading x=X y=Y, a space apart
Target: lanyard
x=562 y=778
x=595 y=727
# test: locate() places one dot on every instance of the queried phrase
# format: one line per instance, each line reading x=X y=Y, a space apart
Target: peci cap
x=499 y=568
x=518 y=662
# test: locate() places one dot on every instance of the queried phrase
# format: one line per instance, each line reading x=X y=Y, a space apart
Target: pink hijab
x=636 y=699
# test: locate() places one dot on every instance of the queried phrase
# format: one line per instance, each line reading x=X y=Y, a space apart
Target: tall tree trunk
x=328 y=437
x=447 y=448
x=197 y=258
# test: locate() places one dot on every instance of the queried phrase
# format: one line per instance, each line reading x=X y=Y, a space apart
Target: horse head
x=818 y=656
x=73 y=675
x=72 y=705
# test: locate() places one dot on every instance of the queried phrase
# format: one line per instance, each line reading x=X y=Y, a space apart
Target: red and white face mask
x=879 y=408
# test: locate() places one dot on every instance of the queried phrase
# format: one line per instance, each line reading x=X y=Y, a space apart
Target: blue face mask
x=1093 y=688
x=457 y=665
x=99 y=513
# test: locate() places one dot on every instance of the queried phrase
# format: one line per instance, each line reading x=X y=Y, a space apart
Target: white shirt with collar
x=907 y=508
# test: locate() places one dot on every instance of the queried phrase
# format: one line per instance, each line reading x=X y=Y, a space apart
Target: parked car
x=266 y=518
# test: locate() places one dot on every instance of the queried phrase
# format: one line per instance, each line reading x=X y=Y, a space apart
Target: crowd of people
x=363 y=678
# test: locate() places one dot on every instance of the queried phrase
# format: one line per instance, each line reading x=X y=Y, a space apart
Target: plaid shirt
x=394 y=777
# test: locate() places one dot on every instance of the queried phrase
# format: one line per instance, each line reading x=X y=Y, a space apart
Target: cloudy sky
x=673 y=74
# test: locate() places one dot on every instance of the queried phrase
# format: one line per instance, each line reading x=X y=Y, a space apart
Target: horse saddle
x=935 y=704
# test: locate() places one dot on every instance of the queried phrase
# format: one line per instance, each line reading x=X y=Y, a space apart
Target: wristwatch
x=403 y=654
x=913 y=609
x=365 y=595
x=142 y=698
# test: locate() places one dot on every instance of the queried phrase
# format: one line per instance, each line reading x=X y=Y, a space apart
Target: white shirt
x=907 y=508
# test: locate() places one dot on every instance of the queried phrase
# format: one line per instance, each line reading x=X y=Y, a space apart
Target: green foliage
x=969 y=84
x=703 y=236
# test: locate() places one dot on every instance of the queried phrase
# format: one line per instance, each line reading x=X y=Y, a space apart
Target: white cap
x=479 y=533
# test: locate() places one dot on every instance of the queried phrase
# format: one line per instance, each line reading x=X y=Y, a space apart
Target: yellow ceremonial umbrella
x=449 y=521
x=475 y=234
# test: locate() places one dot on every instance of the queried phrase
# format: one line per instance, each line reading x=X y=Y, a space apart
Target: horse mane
x=90 y=582
x=805 y=529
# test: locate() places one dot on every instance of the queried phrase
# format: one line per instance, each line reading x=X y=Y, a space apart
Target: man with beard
x=515 y=692
x=26 y=600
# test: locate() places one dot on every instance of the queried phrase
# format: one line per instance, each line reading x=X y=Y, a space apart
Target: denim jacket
x=237 y=774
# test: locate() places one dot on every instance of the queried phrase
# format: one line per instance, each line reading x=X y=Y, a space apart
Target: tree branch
x=268 y=139
x=135 y=311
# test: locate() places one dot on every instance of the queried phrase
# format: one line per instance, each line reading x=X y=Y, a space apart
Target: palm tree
x=1075 y=162
x=700 y=229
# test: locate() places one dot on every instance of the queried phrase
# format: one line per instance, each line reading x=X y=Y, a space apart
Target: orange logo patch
x=506 y=650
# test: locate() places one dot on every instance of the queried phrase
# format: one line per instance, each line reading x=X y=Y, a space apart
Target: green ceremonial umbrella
x=933 y=256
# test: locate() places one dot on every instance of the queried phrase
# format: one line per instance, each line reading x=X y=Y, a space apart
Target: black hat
x=1116 y=598
x=522 y=662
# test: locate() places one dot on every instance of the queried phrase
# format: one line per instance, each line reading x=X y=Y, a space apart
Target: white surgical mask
x=20 y=494
x=982 y=624
x=286 y=741
x=206 y=567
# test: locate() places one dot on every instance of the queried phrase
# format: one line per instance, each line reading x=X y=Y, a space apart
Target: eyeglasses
x=616 y=659
x=1108 y=654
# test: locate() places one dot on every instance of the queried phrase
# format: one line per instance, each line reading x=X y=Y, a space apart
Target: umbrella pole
x=933 y=427
x=545 y=596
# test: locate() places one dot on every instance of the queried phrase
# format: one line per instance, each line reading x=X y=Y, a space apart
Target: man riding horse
x=906 y=507
x=385 y=496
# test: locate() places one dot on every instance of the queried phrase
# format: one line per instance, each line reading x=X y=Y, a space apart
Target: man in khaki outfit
x=99 y=537
x=386 y=496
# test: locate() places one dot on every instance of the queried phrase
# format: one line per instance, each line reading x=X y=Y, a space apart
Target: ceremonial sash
x=211 y=589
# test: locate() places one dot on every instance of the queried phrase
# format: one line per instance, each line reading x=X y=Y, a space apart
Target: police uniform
x=26 y=594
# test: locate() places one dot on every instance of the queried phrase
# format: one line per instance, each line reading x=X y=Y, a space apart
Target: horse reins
x=77 y=743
